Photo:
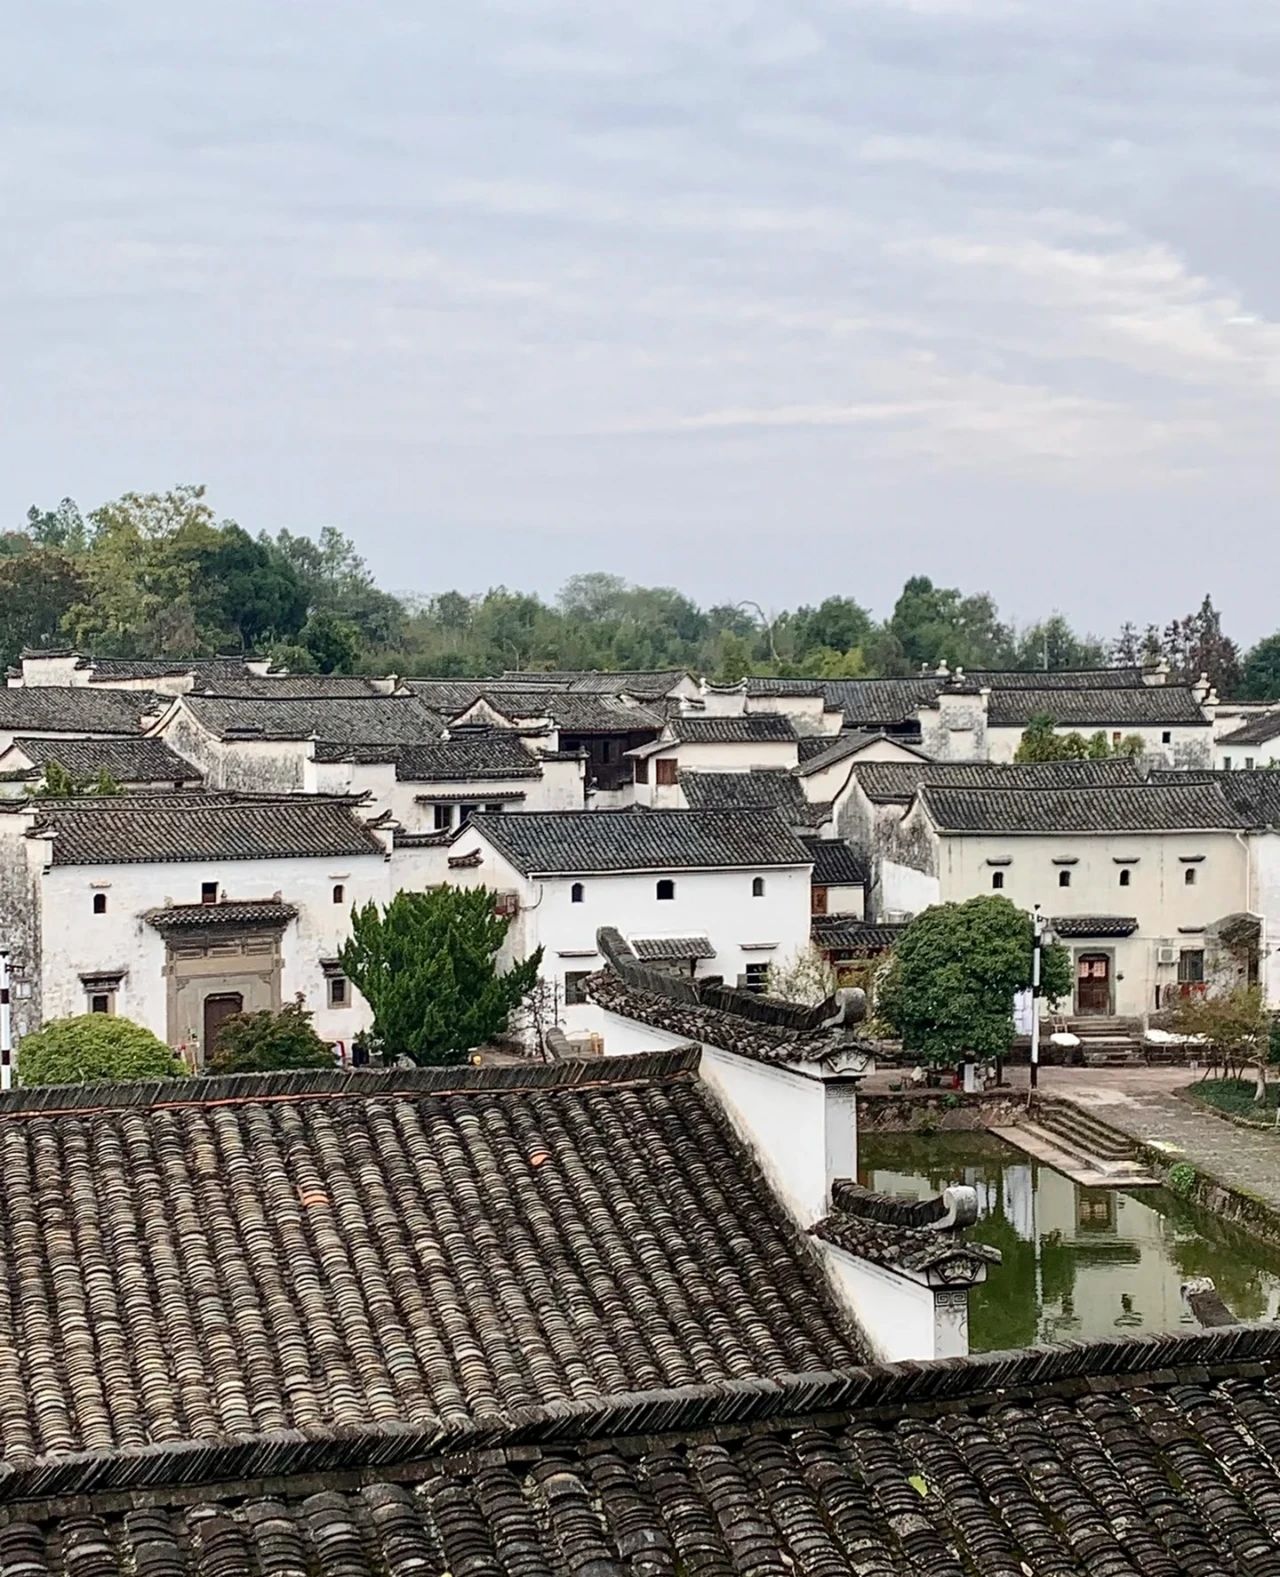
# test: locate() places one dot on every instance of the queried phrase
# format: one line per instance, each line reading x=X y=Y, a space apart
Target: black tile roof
x=344 y=720
x=106 y=670
x=125 y=760
x=1259 y=730
x=660 y=949
x=1255 y=793
x=1148 y=705
x=1082 y=925
x=58 y=709
x=583 y=842
x=232 y=915
x=1122 y=678
x=1134 y=807
x=572 y=712
x=489 y=754
x=291 y=687
x=836 y=863
x=135 y=830
x=646 y=684
x=880 y=701
x=893 y=782
x=749 y=728
x=763 y=788
x=843 y=933
x=1153 y=1457
x=292 y=1255
x=447 y=696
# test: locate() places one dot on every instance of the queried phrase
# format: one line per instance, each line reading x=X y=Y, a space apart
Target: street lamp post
x=1037 y=935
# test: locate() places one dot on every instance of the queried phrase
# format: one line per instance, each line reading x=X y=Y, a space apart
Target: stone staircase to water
x=1082 y=1146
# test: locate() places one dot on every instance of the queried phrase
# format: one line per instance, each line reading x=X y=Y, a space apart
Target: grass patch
x=1235 y=1097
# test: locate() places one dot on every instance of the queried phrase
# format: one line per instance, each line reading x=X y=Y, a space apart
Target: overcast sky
x=765 y=300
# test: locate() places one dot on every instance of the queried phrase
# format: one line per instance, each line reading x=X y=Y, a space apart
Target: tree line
x=159 y=574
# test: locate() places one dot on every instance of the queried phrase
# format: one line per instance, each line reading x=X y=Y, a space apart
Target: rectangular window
x=208 y=892
x=642 y=769
x=442 y=817
x=493 y=810
x=102 y=1002
x=1226 y=763
x=1116 y=737
x=817 y=900
x=1167 y=737
x=1191 y=966
x=339 y=991
x=465 y=813
x=573 y=994
x=1248 y=763
x=666 y=773
x=755 y=977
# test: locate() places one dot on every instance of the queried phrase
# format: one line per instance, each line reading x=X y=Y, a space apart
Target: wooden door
x=217 y=1009
x=1093 y=983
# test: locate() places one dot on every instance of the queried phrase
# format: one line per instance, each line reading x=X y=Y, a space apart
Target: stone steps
x=1087 y=1133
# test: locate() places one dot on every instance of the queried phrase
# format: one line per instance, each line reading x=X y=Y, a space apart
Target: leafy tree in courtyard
x=950 y=988
x=94 y=1048
x=37 y=589
x=1235 y=1025
x=267 y=1042
x=427 y=967
x=333 y=644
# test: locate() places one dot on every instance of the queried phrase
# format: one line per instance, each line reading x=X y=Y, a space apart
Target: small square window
x=756 y=977
x=100 y=1002
x=339 y=892
x=577 y=893
x=757 y=886
x=99 y=903
x=465 y=813
x=339 y=992
x=1064 y=878
x=1189 y=876
x=665 y=774
x=997 y=881
x=208 y=892
x=573 y=993
x=493 y=810
x=1126 y=876
x=1248 y=763
x=442 y=817
x=1167 y=737
x=666 y=888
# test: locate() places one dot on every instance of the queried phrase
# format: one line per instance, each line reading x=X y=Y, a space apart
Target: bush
x=267 y=1042
x=94 y=1048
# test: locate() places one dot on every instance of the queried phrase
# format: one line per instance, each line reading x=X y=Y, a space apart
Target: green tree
x=1260 y=680
x=94 y=1048
x=267 y=1042
x=949 y=990
x=1052 y=643
x=332 y=643
x=426 y=966
x=1197 y=644
x=37 y=591
x=245 y=590
x=1236 y=1027
x=1040 y=742
x=62 y=528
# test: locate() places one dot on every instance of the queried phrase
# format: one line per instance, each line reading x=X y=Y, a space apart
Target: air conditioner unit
x=1166 y=955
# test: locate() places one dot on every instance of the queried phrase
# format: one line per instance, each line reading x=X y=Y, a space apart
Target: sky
x=776 y=300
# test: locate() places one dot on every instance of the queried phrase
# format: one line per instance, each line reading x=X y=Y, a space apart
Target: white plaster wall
x=718 y=903
x=1264 y=853
x=1169 y=912
x=896 y=1314
x=904 y=891
x=75 y=941
x=254 y=765
x=737 y=757
x=781 y=1115
x=807 y=712
x=845 y=900
x=1231 y=758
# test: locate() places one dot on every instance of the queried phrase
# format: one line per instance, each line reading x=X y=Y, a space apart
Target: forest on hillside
x=159 y=574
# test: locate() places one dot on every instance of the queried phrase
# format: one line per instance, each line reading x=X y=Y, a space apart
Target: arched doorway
x=218 y=1007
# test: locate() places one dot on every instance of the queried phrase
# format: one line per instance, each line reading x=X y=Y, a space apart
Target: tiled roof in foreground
x=1139 y=1457
x=207 y=1260
x=126 y=760
x=895 y=782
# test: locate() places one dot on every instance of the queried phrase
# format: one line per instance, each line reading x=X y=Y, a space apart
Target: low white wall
x=896 y=1315
x=906 y=891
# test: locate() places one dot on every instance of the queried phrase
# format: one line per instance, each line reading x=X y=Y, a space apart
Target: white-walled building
x=1136 y=878
x=58 y=713
x=1249 y=742
x=702 y=892
x=178 y=910
x=710 y=744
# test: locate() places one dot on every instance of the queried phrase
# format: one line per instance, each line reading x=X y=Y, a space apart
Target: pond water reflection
x=1078 y=1262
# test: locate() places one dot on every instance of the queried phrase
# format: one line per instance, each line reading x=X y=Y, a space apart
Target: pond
x=1078 y=1262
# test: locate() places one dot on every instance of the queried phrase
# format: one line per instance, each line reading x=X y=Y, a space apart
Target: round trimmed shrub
x=94 y=1048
